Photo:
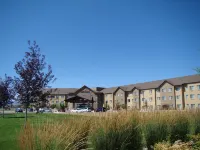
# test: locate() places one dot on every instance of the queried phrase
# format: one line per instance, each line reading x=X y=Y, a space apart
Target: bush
x=53 y=106
x=116 y=133
x=68 y=135
x=156 y=132
x=179 y=129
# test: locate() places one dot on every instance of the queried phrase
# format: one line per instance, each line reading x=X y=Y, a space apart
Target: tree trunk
x=26 y=114
x=3 y=111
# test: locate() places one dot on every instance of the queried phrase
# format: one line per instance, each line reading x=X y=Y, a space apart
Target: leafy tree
x=62 y=107
x=6 y=91
x=53 y=106
x=33 y=77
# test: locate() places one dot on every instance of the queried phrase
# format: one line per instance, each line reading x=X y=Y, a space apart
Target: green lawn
x=12 y=123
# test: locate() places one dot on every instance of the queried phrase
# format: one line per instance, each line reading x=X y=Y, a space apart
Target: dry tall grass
x=66 y=135
x=109 y=131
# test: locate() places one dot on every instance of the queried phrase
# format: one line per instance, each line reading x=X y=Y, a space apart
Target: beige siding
x=119 y=97
x=133 y=99
x=109 y=99
x=57 y=99
x=147 y=98
x=189 y=101
x=179 y=97
x=167 y=94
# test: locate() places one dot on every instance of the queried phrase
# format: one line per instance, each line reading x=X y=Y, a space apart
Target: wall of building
x=56 y=98
x=165 y=93
x=119 y=97
x=147 y=98
x=108 y=100
x=189 y=100
x=133 y=99
x=179 y=97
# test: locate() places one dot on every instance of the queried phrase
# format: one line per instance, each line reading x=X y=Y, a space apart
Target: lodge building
x=174 y=93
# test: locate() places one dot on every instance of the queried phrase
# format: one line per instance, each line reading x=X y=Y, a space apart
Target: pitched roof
x=62 y=90
x=174 y=81
x=109 y=90
x=156 y=84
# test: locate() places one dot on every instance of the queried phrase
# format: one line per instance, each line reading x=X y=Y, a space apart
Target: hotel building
x=174 y=93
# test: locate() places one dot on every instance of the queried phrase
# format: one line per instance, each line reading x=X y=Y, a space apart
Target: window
x=106 y=101
x=135 y=93
x=192 y=105
x=158 y=98
x=192 y=88
x=150 y=91
x=142 y=92
x=110 y=101
x=163 y=98
x=170 y=90
x=57 y=102
x=186 y=96
x=62 y=96
x=178 y=88
x=170 y=97
x=191 y=96
x=143 y=99
x=57 y=96
x=188 y=106
x=198 y=105
x=128 y=100
x=136 y=99
x=178 y=97
x=198 y=96
x=198 y=87
x=121 y=94
x=150 y=99
x=157 y=90
x=52 y=96
x=163 y=90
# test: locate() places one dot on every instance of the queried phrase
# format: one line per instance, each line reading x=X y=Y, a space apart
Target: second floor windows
x=192 y=96
x=150 y=91
x=178 y=97
x=170 y=97
x=163 y=98
x=186 y=96
x=170 y=90
x=163 y=90
x=191 y=88
x=178 y=88
x=198 y=96
x=158 y=98
x=198 y=87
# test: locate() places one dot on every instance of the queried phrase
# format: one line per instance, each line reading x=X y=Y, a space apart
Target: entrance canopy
x=80 y=98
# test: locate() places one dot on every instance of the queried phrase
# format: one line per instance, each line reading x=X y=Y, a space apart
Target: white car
x=80 y=110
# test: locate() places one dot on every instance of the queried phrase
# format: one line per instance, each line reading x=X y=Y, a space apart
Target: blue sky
x=103 y=43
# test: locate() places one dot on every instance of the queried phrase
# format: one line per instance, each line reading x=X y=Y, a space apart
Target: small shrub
x=197 y=122
x=179 y=129
x=156 y=132
x=68 y=135
x=53 y=106
x=116 y=133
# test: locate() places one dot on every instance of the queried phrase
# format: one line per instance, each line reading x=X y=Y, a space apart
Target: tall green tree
x=6 y=91
x=33 y=78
